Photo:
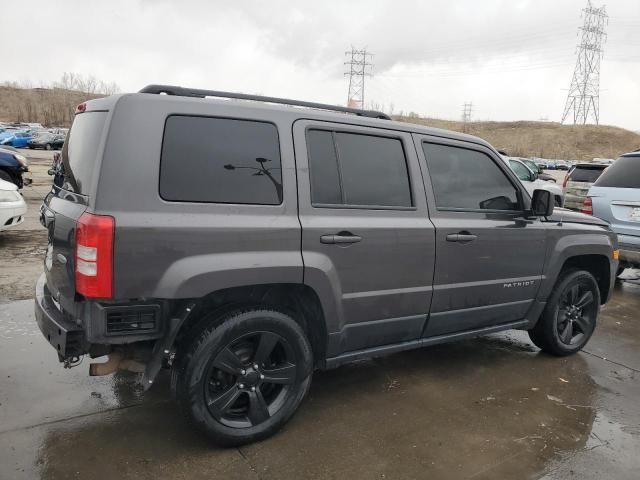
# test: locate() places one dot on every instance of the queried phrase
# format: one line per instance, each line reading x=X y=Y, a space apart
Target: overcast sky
x=512 y=58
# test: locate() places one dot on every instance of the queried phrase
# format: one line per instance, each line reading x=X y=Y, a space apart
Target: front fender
x=578 y=243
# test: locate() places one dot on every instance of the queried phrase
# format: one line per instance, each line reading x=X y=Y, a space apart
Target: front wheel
x=245 y=375
x=569 y=318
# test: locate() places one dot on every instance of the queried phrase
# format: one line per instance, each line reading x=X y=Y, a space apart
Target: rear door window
x=220 y=160
x=80 y=152
x=355 y=169
x=586 y=174
x=623 y=173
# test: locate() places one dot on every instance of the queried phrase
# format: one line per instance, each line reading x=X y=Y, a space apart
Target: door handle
x=461 y=237
x=340 y=238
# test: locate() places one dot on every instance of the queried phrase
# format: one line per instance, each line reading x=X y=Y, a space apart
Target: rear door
x=616 y=197
x=63 y=206
x=489 y=258
x=367 y=241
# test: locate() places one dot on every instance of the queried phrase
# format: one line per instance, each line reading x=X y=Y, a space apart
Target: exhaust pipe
x=115 y=361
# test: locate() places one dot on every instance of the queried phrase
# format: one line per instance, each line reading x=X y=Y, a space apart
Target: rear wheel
x=245 y=375
x=569 y=318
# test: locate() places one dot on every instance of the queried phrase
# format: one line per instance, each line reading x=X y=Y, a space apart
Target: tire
x=576 y=295
x=47 y=146
x=221 y=391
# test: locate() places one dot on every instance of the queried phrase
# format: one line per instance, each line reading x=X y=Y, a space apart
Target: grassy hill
x=545 y=139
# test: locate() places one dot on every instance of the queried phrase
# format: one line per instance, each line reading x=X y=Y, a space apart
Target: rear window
x=220 y=160
x=80 y=152
x=586 y=174
x=623 y=173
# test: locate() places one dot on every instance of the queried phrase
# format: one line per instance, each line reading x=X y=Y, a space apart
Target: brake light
x=94 y=255
x=81 y=108
x=587 y=206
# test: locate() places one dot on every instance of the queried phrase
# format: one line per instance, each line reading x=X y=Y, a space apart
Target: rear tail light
x=587 y=206
x=94 y=255
x=566 y=179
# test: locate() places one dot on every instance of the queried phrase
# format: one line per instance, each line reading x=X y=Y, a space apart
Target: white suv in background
x=531 y=182
x=12 y=206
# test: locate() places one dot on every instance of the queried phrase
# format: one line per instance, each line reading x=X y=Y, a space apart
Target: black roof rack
x=198 y=93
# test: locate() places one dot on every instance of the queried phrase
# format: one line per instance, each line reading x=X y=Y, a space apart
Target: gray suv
x=245 y=241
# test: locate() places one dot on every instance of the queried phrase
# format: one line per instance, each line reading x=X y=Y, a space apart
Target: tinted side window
x=467 y=179
x=374 y=170
x=220 y=160
x=623 y=173
x=356 y=169
x=323 y=168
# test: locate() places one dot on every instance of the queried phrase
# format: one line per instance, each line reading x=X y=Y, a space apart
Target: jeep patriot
x=244 y=242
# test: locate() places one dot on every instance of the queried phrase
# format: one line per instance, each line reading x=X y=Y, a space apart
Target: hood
x=4 y=185
x=569 y=216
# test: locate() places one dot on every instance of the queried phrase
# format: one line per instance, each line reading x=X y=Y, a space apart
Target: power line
x=583 y=99
x=357 y=71
x=467 y=108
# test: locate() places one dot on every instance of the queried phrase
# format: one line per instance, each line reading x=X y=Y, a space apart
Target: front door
x=367 y=241
x=489 y=255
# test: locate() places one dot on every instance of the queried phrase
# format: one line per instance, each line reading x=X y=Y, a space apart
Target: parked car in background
x=615 y=197
x=18 y=139
x=12 y=206
x=562 y=165
x=47 y=141
x=13 y=165
x=7 y=132
x=531 y=182
x=578 y=181
x=534 y=167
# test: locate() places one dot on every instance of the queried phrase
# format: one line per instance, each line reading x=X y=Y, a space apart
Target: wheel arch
x=596 y=264
x=298 y=300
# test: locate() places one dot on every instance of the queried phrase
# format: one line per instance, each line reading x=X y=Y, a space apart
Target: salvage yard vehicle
x=534 y=167
x=311 y=236
x=12 y=206
x=578 y=181
x=13 y=165
x=47 y=141
x=17 y=140
x=615 y=197
x=531 y=181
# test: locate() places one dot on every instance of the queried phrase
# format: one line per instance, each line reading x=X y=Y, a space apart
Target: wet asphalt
x=493 y=407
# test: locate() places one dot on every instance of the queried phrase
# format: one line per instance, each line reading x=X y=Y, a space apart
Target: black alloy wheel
x=242 y=374
x=576 y=313
x=248 y=381
x=570 y=315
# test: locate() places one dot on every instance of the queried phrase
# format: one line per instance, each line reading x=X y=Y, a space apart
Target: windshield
x=80 y=152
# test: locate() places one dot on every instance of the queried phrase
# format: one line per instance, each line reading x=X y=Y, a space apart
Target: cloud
x=511 y=58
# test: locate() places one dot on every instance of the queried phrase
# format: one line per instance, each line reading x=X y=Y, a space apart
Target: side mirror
x=542 y=203
x=533 y=176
